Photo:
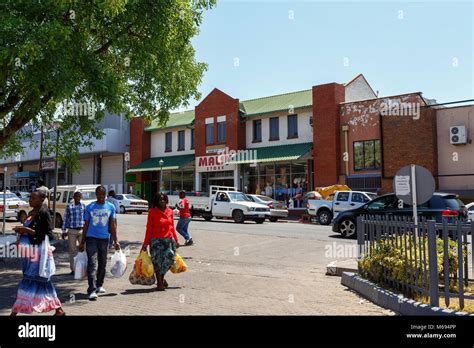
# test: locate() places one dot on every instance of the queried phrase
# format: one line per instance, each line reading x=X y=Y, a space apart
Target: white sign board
x=402 y=185
x=216 y=163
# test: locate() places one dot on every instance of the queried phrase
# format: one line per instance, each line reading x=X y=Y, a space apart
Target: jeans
x=182 y=228
x=96 y=262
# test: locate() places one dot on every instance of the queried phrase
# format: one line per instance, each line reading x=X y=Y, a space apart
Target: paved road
x=273 y=268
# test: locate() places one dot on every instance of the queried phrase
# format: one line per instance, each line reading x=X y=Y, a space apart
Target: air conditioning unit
x=457 y=135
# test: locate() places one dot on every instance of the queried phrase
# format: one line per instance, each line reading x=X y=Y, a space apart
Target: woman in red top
x=162 y=238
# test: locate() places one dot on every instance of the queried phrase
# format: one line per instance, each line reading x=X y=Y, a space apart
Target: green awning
x=273 y=153
x=169 y=163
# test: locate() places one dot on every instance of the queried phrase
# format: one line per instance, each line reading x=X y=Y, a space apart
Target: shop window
x=221 y=133
x=168 y=141
x=274 y=128
x=292 y=126
x=192 y=138
x=181 y=140
x=257 y=131
x=367 y=155
x=209 y=133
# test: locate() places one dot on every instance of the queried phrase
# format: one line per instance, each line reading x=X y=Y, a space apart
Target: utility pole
x=40 y=167
x=55 y=178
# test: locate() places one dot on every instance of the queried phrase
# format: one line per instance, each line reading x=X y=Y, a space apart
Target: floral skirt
x=163 y=254
x=34 y=292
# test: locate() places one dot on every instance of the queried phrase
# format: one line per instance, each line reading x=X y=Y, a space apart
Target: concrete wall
x=358 y=89
x=455 y=160
x=305 y=131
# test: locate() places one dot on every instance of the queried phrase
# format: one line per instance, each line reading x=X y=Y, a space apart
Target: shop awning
x=169 y=163
x=273 y=153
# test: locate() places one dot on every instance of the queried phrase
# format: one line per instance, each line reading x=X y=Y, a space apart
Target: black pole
x=55 y=179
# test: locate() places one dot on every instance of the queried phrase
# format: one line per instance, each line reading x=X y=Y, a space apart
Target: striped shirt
x=74 y=216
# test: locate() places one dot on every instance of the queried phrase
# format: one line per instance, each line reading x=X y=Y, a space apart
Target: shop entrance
x=208 y=179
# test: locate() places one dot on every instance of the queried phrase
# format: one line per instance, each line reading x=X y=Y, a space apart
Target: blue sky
x=285 y=46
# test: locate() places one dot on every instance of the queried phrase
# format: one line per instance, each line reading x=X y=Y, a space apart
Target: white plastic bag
x=80 y=265
x=47 y=266
x=118 y=264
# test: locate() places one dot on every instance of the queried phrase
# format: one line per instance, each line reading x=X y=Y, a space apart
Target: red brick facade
x=217 y=103
x=326 y=134
x=140 y=146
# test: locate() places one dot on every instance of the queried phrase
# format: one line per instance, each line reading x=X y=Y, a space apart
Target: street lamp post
x=161 y=162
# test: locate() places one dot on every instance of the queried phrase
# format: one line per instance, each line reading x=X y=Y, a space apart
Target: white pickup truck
x=326 y=210
x=225 y=201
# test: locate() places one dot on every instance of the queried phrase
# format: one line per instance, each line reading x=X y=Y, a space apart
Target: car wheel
x=207 y=217
x=260 y=221
x=122 y=209
x=22 y=216
x=324 y=217
x=238 y=216
x=347 y=227
x=273 y=219
x=139 y=212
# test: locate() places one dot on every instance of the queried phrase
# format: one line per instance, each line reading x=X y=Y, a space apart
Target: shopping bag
x=80 y=265
x=143 y=265
x=118 y=264
x=137 y=279
x=47 y=266
x=179 y=265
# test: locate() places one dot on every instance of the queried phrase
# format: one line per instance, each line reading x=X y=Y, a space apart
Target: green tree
x=131 y=57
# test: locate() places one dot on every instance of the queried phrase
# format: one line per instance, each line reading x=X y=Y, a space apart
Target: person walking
x=99 y=218
x=161 y=237
x=42 y=188
x=73 y=222
x=184 y=218
x=111 y=197
x=35 y=293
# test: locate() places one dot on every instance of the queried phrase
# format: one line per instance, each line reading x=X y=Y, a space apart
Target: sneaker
x=189 y=242
x=100 y=290
x=93 y=296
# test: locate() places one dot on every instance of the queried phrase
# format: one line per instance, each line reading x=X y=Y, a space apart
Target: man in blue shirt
x=74 y=222
x=99 y=220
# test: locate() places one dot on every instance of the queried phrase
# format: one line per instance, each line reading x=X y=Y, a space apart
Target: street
x=234 y=269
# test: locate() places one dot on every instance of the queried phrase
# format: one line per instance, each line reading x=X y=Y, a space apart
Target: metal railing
x=420 y=260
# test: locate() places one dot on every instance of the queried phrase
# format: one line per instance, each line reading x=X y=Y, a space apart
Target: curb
x=332 y=269
x=393 y=301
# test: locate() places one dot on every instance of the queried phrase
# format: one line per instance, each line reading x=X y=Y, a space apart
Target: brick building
x=293 y=142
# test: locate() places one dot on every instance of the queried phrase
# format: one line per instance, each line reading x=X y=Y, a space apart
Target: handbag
x=47 y=267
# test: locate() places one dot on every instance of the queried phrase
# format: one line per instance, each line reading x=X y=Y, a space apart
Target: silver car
x=13 y=204
x=470 y=211
x=131 y=203
x=278 y=209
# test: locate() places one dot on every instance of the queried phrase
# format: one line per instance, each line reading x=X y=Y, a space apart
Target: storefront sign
x=213 y=163
x=215 y=148
x=47 y=165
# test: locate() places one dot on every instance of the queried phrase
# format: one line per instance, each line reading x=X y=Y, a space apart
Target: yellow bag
x=143 y=265
x=179 y=265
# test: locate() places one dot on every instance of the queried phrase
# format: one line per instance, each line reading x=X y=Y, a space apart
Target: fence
x=422 y=259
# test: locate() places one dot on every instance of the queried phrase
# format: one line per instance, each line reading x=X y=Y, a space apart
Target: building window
x=367 y=155
x=181 y=140
x=168 y=142
x=192 y=138
x=209 y=133
x=221 y=132
x=257 y=131
x=274 y=128
x=292 y=126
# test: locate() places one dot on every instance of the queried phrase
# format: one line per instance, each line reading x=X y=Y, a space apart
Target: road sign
x=424 y=184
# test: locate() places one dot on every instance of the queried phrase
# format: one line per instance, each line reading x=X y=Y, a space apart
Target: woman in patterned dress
x=35 y=293
x=161 y=237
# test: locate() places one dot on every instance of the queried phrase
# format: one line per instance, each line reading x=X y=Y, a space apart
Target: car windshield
x=88 y=195
x=265 y=198
x=9 y=196
x=238 y=196
x=371 y=195
x=132 y=197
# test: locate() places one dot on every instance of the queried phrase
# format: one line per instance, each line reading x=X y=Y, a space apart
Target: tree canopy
x=131 y=57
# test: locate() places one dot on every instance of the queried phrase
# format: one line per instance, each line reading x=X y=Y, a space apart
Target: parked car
x=24 y=196
x=470 y=211
x=326 y=209
x=131 y=203
x=13 y=203
x=277 y=209
x=441 y=205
